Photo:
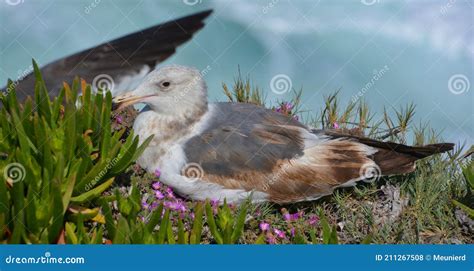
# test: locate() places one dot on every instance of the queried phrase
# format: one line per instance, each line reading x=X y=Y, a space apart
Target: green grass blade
x=196 y=232
x=212 y=224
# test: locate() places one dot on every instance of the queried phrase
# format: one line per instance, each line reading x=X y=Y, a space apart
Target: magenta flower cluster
x=118 y=119
x=275 y=234
x=165 y=195
x=286 y=109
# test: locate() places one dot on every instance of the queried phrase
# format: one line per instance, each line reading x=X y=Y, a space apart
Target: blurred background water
x=389 y=52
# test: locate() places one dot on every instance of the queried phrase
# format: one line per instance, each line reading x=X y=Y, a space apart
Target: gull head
x=171 y=90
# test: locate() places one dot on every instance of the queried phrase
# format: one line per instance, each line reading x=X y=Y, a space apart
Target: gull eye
x=165 y=84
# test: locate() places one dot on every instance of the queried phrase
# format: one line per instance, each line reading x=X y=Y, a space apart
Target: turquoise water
x=389 y=52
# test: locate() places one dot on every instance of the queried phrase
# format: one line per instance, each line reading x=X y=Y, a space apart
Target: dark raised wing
x=125 y=56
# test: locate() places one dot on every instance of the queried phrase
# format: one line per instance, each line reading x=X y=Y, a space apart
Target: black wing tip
x=415 y=151
x=441 y=147
x=204 y=13
x=201 y=15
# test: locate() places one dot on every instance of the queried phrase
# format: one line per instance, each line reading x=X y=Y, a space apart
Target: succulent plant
x=58 y=156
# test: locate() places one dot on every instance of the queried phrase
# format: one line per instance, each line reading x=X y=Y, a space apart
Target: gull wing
x=131 y=56
x=255 y=149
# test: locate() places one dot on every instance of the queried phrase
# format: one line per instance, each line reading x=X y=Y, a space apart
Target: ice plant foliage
x=69 y=153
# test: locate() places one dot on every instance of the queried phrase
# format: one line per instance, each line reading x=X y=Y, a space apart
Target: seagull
x=236 y=151
x=119 y=64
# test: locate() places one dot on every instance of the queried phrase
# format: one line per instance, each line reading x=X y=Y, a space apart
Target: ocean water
x=389 y=53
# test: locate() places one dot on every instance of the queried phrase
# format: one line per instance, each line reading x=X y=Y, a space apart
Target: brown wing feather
x=394 y=158
x=321 y=169
x=337 y=161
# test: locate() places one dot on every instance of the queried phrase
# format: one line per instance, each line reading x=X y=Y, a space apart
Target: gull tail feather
x=394 y=158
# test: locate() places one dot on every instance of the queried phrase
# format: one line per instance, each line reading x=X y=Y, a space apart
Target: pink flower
x=284 y=108
x=264 y=226
x=156 y=185
x=159 y=195
x=313 y=219
x=291 y=217
x=175 y=206
x=169 y=193
x=271 y=239
x=287 y=106
x=157 y=173
x=335 y=125
x=279 y=233
x=145 y=205
x=292 y=232
x=180 y=206
x=118 y=119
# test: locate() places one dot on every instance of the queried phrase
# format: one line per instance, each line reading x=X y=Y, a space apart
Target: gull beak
x=127 y=99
